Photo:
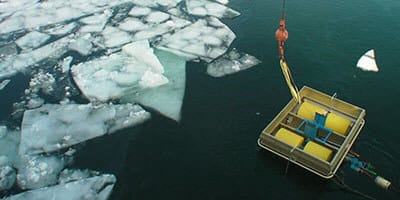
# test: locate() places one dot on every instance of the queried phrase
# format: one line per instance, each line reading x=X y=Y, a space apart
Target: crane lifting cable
x=282 y=35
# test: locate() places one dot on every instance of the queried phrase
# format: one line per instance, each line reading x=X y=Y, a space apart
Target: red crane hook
x=281 y=33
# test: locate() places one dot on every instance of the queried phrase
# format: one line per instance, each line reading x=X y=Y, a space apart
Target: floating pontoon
x=315 y=132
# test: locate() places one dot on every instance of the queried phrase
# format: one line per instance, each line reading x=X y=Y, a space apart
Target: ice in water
x=209 y=8
x=206 y=39
x=39 y=171
x=32 y=40
x=53 y=127
x=124 y=34
x=367 y=62
x=4 y=83
x=110 y=77
x=230 y=63
x=97 y=187
x=166 y=99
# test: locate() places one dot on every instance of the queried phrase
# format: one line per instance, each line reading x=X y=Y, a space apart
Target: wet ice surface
x=230 y=63
x=117 y=55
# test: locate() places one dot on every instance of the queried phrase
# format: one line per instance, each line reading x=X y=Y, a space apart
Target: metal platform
x=315 y=134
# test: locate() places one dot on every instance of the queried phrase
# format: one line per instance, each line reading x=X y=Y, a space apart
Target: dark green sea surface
x=212 y=152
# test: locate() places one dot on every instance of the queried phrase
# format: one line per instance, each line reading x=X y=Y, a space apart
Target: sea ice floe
x=53 y=127
x=39 y=171
x=206 y=39
x=166 y=99
x=230 y=63
x=209 y=8
x=115 y=37
x=32 y=40
x=97 y=187
x=4 y=83
x=62 y=29
x=7 y=177
x=110 y=77
x=37 y=14
x=115 y=40
x=9 y=143
x=157 y=3
x=83 y=45
x=367 y=62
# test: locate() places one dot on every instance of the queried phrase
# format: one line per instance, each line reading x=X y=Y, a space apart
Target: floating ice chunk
x=98 y=187
x=132 y=24
x=157 y=3
x=7 y=177
x=52 y=50
x=205 y=39
x=9 y=141
x=110 y=77
x=168 y=98
x=35 y=102
x=69 y=175
x=139 y=11
x=66 y=64
x=42 y=82
x=223 y=1
x=141 y=51
x=62 y=29
x=32 y=40
x=39 y=171
x=83 y=45
x=4 y=83
x=157 y=17
x=45 y=13
x=205 y=7
x=151 y=80
x=95 y=23
x=7 y=50
x=115 y=37
x=367 y=62
x=230 y=63
x=96 y=18
x=53 y=127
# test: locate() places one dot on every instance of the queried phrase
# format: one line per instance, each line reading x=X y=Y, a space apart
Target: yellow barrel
x=307 y=110
x=289 y=137
x=318 y=150
x=338 y=123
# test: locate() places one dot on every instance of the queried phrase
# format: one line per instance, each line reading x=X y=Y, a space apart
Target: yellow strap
x=289 y=80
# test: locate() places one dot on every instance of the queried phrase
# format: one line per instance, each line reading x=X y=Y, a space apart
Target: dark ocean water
x=212 y=152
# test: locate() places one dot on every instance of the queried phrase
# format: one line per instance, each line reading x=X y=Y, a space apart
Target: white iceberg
x=367 y=61
x=53 y=127
x=230 y=63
